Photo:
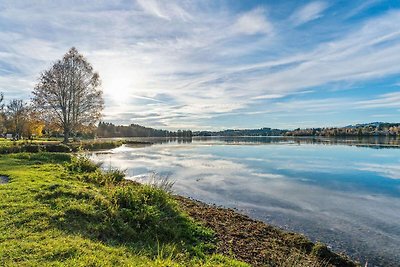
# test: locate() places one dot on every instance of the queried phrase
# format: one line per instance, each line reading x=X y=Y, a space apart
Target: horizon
x=240 y=129
x=215 y=65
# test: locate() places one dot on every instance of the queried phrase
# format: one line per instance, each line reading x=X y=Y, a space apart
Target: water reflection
x=346 y=196
x=372 y=142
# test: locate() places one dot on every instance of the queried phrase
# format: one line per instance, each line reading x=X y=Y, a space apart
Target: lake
x=343 y=192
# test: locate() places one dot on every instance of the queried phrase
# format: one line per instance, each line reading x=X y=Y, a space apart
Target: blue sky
x=214 y=64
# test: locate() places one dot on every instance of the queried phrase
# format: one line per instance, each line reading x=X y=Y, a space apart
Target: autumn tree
x=34 y=125
x=68 y=94
x=16 y=111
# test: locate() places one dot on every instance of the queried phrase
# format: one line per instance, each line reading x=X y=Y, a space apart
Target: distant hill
x=373 y=124
x=244 y=132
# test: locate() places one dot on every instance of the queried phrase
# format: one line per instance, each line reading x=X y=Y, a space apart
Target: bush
x=142 y=206
x=95 y=145
x=81 y=164
x=115 y=175
x=162 y=182
x=60 y=148
x=153 y=213
x=32 y=148
x=100 y=177
x=89 y=171
x=10 y=149
x=43 y=157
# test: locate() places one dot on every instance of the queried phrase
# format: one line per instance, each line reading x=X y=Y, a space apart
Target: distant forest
x=245 y=132
x=368 y=129
x=106 y=129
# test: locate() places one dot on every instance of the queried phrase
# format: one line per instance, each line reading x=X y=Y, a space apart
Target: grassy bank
x=58 y=211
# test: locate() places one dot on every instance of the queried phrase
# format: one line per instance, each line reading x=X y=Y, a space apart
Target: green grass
x=53 y=213
x=4 y=141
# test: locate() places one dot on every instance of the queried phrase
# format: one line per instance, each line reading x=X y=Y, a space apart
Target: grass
x=57 y=210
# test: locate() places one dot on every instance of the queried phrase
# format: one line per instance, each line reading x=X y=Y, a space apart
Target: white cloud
x=308 y=12
x=390 y=100
x=366 y=4
x=164 y=10
x=253 y=22
x=152 y=7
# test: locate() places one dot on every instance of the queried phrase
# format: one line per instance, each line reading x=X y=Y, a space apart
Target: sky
x=216 y=64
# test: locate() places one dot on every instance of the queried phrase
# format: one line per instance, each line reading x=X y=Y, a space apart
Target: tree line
x=372 y=129
x=106 y=129
x=365 y=130
x=243 y=132
x=19 y=119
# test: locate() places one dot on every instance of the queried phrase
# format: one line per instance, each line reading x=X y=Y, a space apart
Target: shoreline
x=258 y=243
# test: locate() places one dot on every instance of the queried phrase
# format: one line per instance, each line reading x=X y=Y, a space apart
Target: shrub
x=162 y=182
x=95 y=145
x=81 y=164
x=89 y=171
x=100 y=177
x=32 y=148
x=10 y=149
x=142 y=206
x=153 y=213
x=60 y=148
x=43 y=157
x=115 y=175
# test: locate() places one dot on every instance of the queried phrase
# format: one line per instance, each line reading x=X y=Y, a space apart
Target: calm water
x=345 y=193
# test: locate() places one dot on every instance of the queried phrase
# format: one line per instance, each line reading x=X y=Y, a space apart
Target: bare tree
x=16 y=111
x=68 y=94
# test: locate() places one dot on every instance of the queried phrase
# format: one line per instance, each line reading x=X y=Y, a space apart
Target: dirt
x=3 y=179
x=258 y=243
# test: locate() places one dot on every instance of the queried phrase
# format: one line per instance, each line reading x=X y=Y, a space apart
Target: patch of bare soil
x=257 y=243
x=3 y=179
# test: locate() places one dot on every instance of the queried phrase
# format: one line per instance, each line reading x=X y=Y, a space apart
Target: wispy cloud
x=383 y=101
x=365 y=5
x=308 y=12
x=164 y=10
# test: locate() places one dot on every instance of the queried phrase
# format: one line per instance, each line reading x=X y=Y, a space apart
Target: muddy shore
x=258 y=243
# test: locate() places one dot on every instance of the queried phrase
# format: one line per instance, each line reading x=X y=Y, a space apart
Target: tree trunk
x=66 y=136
